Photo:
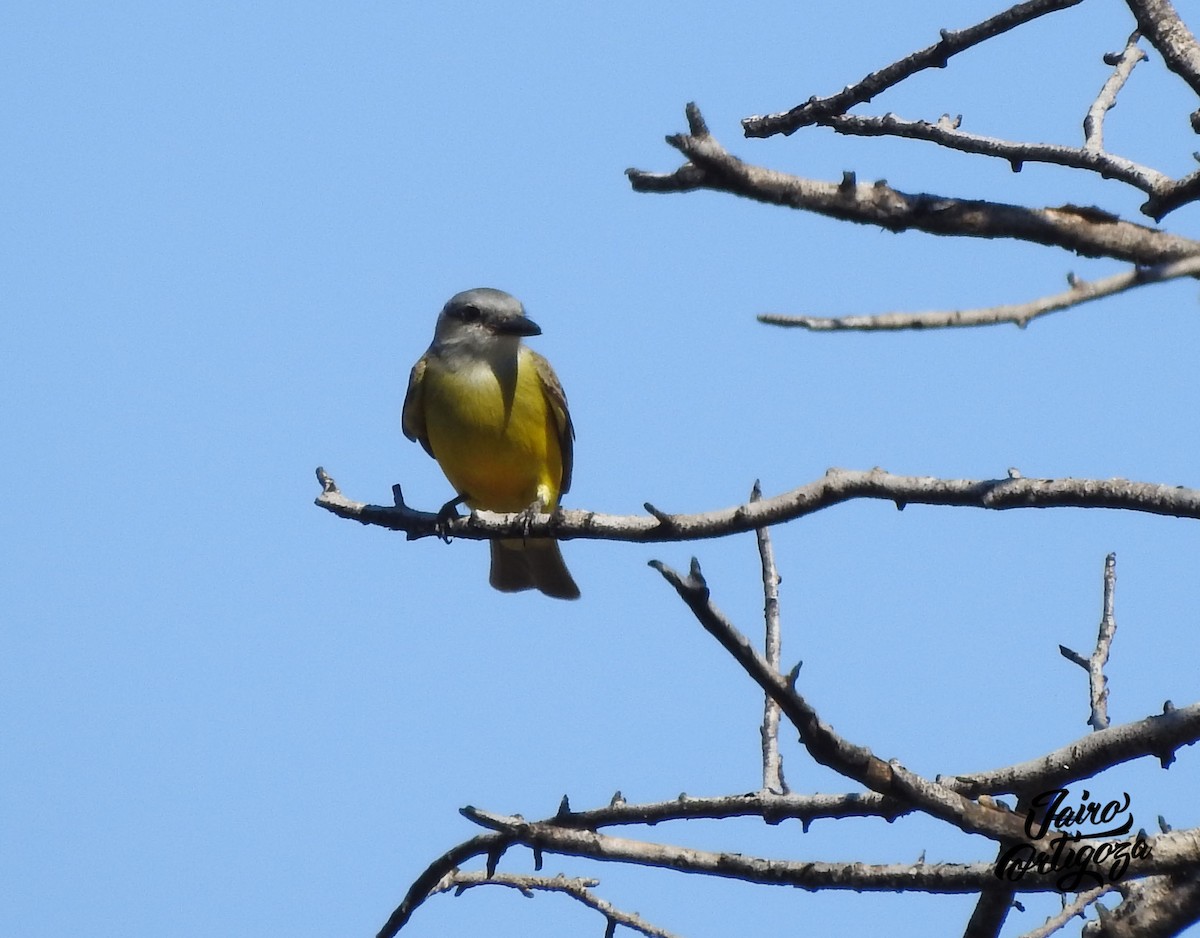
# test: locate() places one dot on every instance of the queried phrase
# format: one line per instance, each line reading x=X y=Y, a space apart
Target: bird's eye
x=469 y=313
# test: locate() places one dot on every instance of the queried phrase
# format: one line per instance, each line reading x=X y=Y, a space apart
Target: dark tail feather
x=534 y=564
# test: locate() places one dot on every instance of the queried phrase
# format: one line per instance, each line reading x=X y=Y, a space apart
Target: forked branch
x=1087 y=231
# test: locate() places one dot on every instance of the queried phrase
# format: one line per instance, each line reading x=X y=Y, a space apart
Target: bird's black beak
x=516 y=325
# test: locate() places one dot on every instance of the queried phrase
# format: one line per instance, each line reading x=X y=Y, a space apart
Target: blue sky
x=228 y=231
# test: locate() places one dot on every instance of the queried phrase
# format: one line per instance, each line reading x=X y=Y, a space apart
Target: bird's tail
x=531 y=564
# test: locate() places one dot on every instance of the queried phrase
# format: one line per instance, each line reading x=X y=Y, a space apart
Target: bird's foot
x=446 y=514
x=526 y=516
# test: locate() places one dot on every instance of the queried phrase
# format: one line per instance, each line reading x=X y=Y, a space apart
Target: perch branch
x=835 y=487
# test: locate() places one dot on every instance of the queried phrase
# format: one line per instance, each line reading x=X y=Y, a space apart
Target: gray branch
x=1155 y=907
x=772 y=761
x=835 y=487
x=946 y=133
x=1124 y=63
x=1019 y=314
x=1094 y=664
x=950 y=44
x=1158 y=736
x=826 y=746
x=577 y=888
x=1159 y=23
x=1169 y=853
x=1087 y=231
x=1070 y=911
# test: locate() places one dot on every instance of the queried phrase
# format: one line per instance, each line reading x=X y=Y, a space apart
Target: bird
x=492 y=412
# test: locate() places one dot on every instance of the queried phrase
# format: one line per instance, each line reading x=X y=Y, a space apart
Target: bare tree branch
x=1158 y=736
x=772 y=808
x=1123 y=65
x=835 y=487
x=1020 y=314
x=945 y=132
x=990 y=913
x=1168 y=852
x=1091 y=156
x=578 y=889
x=1070 y=910
x=1094 y=665
x=826 y=746
x=1086 y=231
x=425 y=884
x=552 y=838
x=772 y=761
x=1158 y=22
x=936 y=56
x=1155 y=907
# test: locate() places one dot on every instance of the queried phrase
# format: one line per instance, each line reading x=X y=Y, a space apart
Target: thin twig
x=946 y=133
x=1081 y=902
x=951 y=43
x=1094 y=664
x=835 y=487
x=772 y=761
x=577 y=888
x=1093 y=123
x=1020 y=314
x=1097 y=682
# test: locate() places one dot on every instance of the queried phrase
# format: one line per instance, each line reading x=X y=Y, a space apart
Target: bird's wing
x=557 y=400
x=412 y=419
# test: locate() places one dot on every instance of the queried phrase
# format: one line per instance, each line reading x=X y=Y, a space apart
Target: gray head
x=482 y=319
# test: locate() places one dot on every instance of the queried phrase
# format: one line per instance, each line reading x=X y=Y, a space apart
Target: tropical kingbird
x=492 y=413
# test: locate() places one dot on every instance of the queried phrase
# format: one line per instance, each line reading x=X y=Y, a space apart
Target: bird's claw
x=526 y=516
x=447 y=514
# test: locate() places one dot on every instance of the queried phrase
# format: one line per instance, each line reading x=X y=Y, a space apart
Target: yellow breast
x=493 y=433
